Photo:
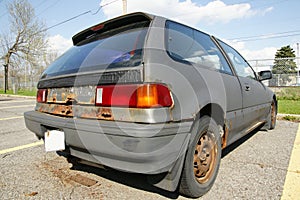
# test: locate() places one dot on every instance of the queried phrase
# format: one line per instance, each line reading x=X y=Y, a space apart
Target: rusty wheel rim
x=273 y=114
x=205 y=157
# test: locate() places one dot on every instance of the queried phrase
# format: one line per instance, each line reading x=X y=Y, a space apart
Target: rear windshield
x=121 y=47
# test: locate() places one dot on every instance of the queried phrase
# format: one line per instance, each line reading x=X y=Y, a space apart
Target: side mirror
x=264 y=75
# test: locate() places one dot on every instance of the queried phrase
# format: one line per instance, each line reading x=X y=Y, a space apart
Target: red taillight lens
x=116 y=95
x=135 y=96
x=41 y=96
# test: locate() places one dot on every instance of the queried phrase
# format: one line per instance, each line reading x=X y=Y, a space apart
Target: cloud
x=186 y=11
x=265 y=53
x=59 y=44
x=260 y=59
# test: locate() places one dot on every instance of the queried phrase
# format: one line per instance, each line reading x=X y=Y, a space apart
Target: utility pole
x=5 y=77
x=298 y=67
x=124 y=7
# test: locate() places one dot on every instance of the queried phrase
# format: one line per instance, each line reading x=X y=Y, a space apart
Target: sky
x=256 y=28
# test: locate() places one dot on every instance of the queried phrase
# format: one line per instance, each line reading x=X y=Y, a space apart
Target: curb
x=17 y=96
x=283 y=115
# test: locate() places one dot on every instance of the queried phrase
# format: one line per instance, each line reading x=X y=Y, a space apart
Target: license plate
x=54 y=140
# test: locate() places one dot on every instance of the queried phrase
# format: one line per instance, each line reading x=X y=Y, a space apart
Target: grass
x=20 y=92
x=288 y=100
x=289 y=106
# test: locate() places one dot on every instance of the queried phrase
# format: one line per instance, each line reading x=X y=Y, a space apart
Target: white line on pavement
x=17 y=106
x=9 y=118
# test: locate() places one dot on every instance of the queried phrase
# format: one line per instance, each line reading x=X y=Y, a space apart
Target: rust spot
x=68 y=110
x=92 y=100
x=63 y=95
x=81 y=111
x=80 y=95
x=224 y=138
x=71 y=97
x=54 y=97
x=106 y=113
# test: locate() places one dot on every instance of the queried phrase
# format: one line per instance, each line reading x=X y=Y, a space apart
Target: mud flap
x=169 y=180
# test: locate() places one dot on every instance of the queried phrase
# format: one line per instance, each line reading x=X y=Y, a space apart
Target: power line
x=79 y=15
x=65 y=21
x=72 y=18
x=53 y=4
x=267 y=36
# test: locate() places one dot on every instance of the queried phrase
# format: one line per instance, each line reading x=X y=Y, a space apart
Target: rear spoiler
x=111 y=24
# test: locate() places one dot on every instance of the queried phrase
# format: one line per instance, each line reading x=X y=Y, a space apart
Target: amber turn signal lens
x=147 y=96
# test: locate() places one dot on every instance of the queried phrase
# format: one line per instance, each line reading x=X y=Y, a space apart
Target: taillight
x=134 y=96
x=41 y=96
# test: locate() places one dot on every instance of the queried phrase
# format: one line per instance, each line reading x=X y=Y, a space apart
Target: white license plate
x=54 y=140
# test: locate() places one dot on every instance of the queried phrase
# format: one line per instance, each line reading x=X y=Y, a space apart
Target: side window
x=185 y=44
x=180 y=41
x=242 y=68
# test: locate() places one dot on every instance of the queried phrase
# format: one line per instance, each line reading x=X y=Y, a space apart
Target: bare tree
x=37 y=66
x=25 y=41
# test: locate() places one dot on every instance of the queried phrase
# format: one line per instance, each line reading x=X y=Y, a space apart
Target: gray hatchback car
x=144 y=94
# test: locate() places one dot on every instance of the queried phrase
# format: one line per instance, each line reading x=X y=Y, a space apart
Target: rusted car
x=144 y=94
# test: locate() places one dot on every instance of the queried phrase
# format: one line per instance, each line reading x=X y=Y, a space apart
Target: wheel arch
x=217 y=113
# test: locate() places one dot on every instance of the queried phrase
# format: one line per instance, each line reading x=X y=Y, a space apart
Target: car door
x=255 y=102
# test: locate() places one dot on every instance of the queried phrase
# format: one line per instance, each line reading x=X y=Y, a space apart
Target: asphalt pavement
x=255 y=167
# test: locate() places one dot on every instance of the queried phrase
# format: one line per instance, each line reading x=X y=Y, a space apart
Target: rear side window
x=185 y=44
x=117 y=48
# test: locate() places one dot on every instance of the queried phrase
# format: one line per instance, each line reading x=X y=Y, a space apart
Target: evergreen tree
x=284 y=61
x=284 y=65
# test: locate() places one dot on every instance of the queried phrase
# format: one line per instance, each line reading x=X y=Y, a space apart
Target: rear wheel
x=202 y=160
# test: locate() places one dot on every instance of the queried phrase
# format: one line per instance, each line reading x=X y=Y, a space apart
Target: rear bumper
x=131 y=147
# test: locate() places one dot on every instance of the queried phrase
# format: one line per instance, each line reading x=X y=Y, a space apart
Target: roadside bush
x=292 y=93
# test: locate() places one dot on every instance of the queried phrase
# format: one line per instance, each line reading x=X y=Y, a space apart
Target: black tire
x=202 y=160
x=273 y=115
